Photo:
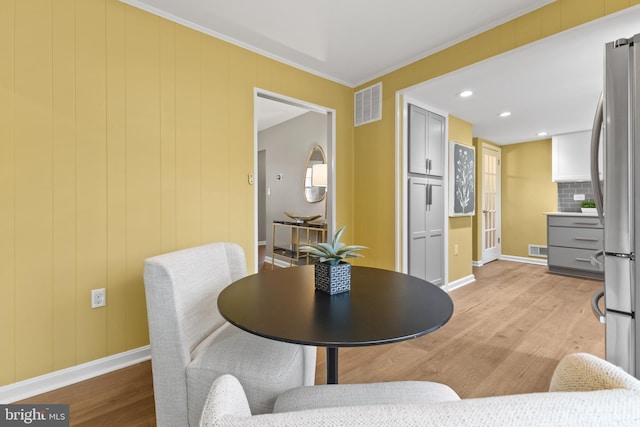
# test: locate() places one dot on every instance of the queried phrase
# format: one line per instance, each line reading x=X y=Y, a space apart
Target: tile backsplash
x=566 y=190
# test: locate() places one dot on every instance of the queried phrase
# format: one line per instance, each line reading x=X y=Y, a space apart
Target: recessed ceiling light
x=505 y=114
x=465 y=94
x=542 y=134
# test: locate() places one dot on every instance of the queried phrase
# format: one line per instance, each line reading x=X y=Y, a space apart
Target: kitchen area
x=537 y=106
x=574 y=232
x=610 y=252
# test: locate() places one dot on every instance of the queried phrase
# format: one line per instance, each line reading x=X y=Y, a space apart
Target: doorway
x=276 y=112
x=491 y=224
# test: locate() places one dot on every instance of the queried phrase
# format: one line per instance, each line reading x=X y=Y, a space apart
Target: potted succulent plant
x=588 y=206
x=332 y=273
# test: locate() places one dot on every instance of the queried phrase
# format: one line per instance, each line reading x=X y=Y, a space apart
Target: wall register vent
x=538 y=250
x=368 y=105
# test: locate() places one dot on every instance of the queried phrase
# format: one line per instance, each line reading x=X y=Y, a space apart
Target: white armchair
x=192 y=344
x=584 y=391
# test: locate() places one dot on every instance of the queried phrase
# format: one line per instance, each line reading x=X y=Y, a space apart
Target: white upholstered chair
x=584 y=391
x=192 y=344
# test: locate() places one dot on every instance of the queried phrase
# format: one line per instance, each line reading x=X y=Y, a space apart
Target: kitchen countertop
x=571 y=214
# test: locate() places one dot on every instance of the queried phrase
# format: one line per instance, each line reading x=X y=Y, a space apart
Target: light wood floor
x=507 y=333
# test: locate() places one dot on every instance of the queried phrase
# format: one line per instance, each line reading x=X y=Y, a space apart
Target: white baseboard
x=64 y=377
x=461 y=282
x=527 y=260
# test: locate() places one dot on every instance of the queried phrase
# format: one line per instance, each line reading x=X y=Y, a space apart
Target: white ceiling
x=269 y=113
x=348 y=41
x=552 y=85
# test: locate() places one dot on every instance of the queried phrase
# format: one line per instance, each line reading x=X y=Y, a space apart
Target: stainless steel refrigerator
x=617 y=200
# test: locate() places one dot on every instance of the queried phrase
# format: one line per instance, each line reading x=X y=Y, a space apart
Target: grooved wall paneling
x=122 y=136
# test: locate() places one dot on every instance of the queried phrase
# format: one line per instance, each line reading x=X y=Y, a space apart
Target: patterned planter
x=333 y=279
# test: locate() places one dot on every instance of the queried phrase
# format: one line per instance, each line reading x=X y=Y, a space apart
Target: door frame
x=330 y=154
x=402 y=183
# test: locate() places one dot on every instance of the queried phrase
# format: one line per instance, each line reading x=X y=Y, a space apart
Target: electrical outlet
x=456 y=249
x=98 y=298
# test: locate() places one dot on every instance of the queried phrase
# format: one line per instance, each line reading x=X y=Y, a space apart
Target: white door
x=491 y=232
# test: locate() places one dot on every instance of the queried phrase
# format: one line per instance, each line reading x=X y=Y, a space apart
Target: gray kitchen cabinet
x=426 y=229
x=426 y=208
x=426 y=204
x=426 y=142
x=572 y=241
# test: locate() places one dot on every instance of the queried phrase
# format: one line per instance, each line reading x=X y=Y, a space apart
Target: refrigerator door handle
x=602 y=318
x=595 y=168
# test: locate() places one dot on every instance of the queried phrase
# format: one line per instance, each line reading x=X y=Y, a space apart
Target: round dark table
x=382 y=307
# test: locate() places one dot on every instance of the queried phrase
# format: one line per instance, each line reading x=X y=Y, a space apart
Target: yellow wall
x=527 y=192
x=122 y=136
x=460 y=227
x=375 y=142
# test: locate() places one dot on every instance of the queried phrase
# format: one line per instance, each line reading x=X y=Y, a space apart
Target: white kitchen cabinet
x=571 y=157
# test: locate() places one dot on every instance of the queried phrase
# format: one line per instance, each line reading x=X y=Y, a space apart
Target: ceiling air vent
x=368 y=105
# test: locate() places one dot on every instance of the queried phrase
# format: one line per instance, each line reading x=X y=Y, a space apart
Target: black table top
x=382 y=307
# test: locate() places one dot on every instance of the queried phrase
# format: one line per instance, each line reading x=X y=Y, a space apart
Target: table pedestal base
x=332 y=365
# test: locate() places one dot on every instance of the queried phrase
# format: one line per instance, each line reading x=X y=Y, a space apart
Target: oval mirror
x=315 y=177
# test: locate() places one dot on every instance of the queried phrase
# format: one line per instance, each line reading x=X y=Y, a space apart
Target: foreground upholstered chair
x=584 y=391
x=192 y=345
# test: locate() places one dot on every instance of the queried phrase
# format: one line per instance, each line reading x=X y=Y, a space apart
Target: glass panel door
x=490 y=203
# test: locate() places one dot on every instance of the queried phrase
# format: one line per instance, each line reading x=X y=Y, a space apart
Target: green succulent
x=335 y=252
x=588 y=204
